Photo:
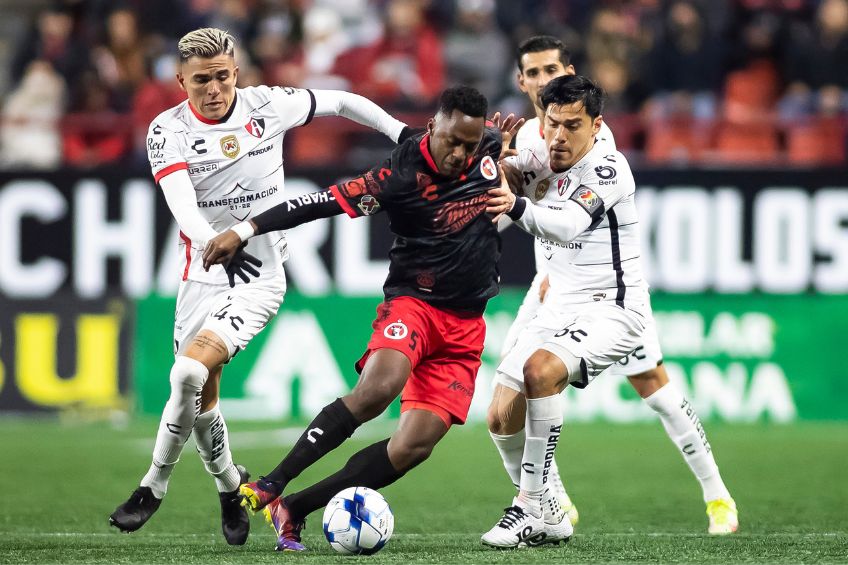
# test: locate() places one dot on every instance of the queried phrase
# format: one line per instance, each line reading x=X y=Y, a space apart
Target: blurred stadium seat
x=816 y=142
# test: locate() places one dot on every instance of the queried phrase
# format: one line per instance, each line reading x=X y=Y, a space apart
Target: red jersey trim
x=200 y=117
x=541 y=132
x=170 y=169
x=342 y=202
x=187 y=241
x=425 y=151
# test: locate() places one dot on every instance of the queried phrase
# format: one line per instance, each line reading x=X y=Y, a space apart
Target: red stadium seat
x=751 y=143
x=816 y=142
x=681 y=140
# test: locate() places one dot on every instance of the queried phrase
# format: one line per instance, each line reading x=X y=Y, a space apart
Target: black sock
x=370 y=468
x=327 y=431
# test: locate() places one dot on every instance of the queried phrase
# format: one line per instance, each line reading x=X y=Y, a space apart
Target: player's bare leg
x=545 y=376
x=188 y=377
x=382 y=379
x=685 y=430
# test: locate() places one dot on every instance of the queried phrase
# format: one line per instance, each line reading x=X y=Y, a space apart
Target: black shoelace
x=512 y=516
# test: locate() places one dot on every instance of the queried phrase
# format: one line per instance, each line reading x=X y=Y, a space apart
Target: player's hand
x=501 y=199
x=509 y=126
x=242 y=264
x=543 y=288
x=513 y=177
x=221 y=249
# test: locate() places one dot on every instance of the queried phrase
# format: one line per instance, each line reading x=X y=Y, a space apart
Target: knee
x=188 y=374
x=542 y=377
x=370 y=398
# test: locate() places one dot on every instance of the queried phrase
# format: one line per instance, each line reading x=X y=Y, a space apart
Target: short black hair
x=569 y=89
x=466 y=99
x=539 y=43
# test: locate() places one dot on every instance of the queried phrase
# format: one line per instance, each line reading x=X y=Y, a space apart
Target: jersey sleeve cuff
x=342 y=202
x=517 y=209
x=168 y=170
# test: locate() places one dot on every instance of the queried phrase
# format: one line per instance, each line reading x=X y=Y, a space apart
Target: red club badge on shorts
x=488 y=168
x=396 y=330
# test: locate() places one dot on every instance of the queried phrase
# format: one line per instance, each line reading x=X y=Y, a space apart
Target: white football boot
x=517 y=528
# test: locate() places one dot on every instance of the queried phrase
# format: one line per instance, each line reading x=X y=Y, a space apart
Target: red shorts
x=444 y=349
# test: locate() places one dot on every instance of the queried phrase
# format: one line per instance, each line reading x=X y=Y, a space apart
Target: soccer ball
x=358 y=521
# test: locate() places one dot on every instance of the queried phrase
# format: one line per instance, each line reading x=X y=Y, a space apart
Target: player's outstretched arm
x=291 y=213
x=360 y=110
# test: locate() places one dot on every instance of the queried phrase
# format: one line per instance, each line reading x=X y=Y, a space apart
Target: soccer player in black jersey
x=429 y=331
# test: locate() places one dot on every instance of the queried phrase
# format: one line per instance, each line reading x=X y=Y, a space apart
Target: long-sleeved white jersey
x=217 y=173
x=586 y=224
x=530 y=137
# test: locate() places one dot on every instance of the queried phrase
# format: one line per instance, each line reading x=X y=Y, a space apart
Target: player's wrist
x=244 y=230
x=517 y=210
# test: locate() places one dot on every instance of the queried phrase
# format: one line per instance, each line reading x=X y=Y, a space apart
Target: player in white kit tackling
x=580 y=275
x=218 y=158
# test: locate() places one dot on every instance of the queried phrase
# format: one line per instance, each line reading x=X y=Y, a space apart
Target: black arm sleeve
x=292 y=213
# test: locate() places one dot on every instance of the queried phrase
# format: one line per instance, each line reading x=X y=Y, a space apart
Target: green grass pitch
x=637 y=501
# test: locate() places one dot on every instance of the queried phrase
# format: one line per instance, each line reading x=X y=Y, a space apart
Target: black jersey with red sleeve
x=446 y=247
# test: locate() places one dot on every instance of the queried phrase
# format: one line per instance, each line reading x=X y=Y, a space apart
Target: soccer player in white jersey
x=540 y=59
x=218 y=158
x=597 y=309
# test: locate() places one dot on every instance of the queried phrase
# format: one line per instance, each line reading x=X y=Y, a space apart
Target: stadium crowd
x=689 y=81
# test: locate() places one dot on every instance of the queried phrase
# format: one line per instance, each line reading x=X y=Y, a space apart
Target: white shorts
x=529 y=306
x=235 y=315
x=599 y=334
x=646 y=356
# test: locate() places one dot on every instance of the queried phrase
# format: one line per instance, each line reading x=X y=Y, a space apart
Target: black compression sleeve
x=296 y=211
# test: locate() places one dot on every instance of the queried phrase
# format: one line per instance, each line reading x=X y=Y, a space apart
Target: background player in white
x=541 y=59
x=218 y=158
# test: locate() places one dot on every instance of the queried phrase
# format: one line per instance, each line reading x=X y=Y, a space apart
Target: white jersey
x=601 y=263
x=235 y=165
x=531 y=138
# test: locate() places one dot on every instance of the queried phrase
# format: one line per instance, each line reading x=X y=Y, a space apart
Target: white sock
x=511 y=448
x=685 y=430
x=544 y=424
x=187 y=379
x=213 y=445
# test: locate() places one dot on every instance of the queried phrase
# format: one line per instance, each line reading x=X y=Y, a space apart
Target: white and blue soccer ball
x=358 y=521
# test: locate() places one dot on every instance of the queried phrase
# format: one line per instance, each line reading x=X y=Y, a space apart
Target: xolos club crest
x=488 y=168
x=230 y=146
x=396 y=330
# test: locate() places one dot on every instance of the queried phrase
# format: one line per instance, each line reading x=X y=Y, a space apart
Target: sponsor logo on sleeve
x=230 y=146
x=255 y=127
x=488 y=168
x=396 y=330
